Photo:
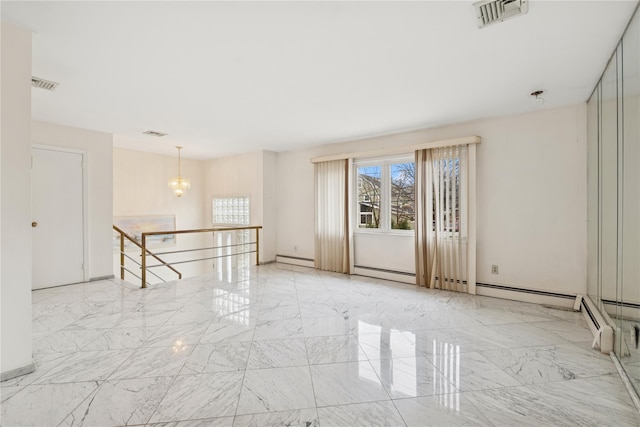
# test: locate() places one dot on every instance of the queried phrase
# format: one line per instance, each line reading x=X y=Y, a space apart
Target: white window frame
x=385 y=193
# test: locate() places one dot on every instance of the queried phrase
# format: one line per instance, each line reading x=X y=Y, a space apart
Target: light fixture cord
x=179 y=171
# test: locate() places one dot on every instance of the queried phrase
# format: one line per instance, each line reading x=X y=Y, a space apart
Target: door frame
x=85 y=200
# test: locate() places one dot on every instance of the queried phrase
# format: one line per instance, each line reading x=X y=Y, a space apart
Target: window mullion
x=385 y=215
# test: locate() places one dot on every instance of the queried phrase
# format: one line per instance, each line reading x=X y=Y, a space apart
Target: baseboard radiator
x=294 y=260
x=600 y=328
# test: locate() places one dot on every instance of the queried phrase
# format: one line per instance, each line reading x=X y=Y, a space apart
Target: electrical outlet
x=494 y=269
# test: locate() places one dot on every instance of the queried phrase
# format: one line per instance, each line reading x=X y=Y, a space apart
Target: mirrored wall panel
x=628 y=301
x=613 y=117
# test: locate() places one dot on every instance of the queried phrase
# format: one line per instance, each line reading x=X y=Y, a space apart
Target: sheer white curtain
x=332 y=235
x=441 y=218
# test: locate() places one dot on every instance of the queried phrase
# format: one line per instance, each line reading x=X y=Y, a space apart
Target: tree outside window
x=369 y=188
x=403 y=196
x=385 y=193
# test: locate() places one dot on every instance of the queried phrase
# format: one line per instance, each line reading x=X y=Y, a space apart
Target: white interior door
x=57 y=215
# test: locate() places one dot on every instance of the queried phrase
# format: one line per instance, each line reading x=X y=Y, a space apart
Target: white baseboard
x=525 y=295
x=107 y=277
x=385 y=274
x=626 y=311
x=18 y=372
x=302 y=262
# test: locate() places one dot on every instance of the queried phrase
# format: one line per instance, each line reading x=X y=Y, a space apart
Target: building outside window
x=385 y=194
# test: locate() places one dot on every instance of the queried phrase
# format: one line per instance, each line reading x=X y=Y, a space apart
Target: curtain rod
x=403 y=149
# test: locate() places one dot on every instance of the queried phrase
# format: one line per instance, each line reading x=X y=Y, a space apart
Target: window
x=385 y=194
x=231 y=211
x=402 y=195
x=450 y=195
x=369 y=188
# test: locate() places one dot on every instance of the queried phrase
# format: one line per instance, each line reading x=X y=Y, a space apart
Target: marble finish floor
x=631 y=360
x=282 y=345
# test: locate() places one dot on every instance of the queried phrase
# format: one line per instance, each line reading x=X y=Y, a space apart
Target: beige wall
x=98 y=146
x=15 y=200
x=269 y=205
x=250 y=174
x=531 y=193
x=140 y=188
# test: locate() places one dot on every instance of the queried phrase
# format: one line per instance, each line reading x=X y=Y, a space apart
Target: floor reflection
x=405 y=371
x=628 y=349
x=446 y=359
x=366 y=352
x=233 y=306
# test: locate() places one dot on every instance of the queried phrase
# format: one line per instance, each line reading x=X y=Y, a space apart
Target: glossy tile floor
x=631 y=361
x=282 y=345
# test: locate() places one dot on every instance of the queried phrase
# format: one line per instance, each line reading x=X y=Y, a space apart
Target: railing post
x=257 y=246
x=143 y=261
x=121 y=256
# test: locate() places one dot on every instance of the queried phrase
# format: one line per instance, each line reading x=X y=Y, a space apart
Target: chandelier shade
x=179 y=184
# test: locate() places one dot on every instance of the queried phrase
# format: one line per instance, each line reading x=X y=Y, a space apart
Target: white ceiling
x=229 y=77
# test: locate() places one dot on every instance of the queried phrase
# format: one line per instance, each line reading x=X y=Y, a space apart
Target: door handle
x=34 y=224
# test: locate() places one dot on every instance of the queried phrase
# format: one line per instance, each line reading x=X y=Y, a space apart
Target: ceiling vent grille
x=492 y=11
x=154 y=133
x=43 y=84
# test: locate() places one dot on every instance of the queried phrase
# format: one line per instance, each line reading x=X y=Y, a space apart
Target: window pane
x=402 y=196
x=369 y=196
x=447 y=195
x=231 y=210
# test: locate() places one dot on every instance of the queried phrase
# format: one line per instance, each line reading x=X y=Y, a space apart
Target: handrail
x=144 y=249
x=201 y=230
x=123 y=234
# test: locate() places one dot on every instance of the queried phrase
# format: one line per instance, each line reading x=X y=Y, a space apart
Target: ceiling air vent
x=492 y=11
x=154 y=133
x=43 y=84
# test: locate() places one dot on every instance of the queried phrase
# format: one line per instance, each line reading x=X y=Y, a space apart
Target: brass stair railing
x=242 y=248
x=242 y=245
x=123 y=256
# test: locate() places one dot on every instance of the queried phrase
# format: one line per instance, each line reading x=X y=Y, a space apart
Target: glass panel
x=231 y=210
x=369 y=187
x=402 y=196
x=451 y=194
x=629 y=294
x=592 y=192
x=609 y=188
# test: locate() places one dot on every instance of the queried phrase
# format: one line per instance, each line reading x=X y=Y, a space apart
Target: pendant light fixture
x=179 y=184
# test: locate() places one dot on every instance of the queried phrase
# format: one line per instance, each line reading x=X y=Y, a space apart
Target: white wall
x=396 y=254
x=269 y=205
x=15 y=201
x=296 y=203
x=98 y=146
x=531 y=192
x=250 y=174
x=140 y=188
